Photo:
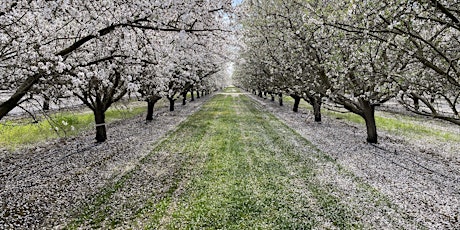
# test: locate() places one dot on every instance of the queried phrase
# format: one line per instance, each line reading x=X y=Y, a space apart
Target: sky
x=236 y=2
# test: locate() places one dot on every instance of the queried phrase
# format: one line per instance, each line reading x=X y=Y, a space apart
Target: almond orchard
x=229 y=114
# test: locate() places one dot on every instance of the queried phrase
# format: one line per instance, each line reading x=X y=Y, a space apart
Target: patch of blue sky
x=237 y=2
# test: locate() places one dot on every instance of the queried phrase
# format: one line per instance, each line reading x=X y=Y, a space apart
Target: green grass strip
x=19 y=133
x=242 y=169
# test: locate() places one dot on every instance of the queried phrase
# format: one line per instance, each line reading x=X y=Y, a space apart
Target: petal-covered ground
x=237 y=163
x=41 y=186
x=421 y=177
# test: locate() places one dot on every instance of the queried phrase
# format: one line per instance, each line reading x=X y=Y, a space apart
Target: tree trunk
x=151 y=101
x=296 y=102
x=265 y=95
x=150 y=106
x=192 y=95
x=416 y=104
x=369 y=116
x=317 y=111
x=197 y=94
x=260 y=93
x=12 y=102
x=273 y=96
x=184 y=98
x=316 y=101
x=280 y=99
x=171 y=103
x=101 y=132
x=416 y=101
x=46 y=104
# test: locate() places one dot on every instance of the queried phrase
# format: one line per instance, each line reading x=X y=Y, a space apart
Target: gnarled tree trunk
x=151 y=101
x=317 y=110
x=316 y=102
x=296 y=102
x=46 y=104
x=99 y=117
x=171 y=103
x=416 y=102
x=184 y=98
x=368 y=113
x=12 y=102
x=150 y=106
x=280 y=99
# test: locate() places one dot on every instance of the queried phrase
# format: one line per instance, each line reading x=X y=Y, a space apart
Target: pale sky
x=236 y=2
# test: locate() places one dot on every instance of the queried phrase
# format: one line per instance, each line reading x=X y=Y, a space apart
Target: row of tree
x=357 y=54
x=98 y=51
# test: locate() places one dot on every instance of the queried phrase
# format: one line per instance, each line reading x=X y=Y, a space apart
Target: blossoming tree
x=89 y=43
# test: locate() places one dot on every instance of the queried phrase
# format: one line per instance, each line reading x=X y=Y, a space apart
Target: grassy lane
x=231 y=166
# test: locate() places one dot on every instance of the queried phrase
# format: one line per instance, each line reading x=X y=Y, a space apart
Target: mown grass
x=394 y=123
x=232 y=90
x=244 y=169
x=18 y=133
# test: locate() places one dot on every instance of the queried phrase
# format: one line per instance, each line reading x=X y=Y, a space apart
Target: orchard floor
x=234 y=162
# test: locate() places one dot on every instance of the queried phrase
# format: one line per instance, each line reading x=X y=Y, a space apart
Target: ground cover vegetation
x=238 y=167
x=355 y=54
